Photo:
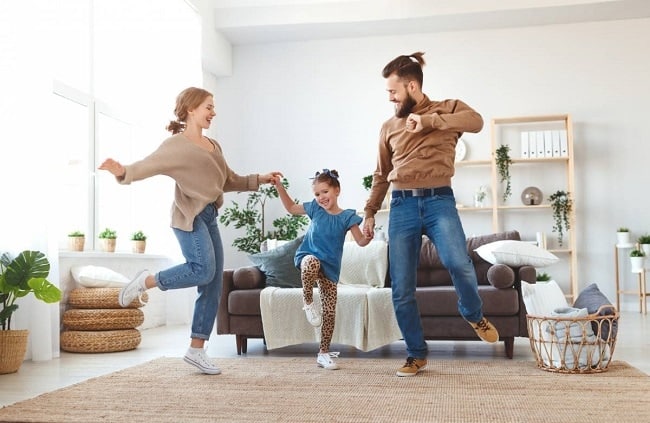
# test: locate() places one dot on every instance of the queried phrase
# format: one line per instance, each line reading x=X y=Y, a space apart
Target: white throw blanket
x=364 y=317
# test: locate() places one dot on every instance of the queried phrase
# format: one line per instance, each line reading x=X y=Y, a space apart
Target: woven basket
x=574 y=345
x=102 y=319
x=100 y=298
x=100 y=341
x=13 y=346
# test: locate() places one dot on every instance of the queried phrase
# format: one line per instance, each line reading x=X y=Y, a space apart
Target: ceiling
x=267 y=21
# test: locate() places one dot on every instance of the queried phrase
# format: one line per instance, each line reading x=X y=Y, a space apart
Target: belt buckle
x=419 y=192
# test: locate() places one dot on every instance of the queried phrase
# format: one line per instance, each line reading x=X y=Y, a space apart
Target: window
x=124 y=63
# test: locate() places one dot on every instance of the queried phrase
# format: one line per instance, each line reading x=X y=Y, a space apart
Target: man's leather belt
x=422 y=192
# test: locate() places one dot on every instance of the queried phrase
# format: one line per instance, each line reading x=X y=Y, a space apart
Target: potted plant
x=367 y=182
x=480 y=195
x=108 y=238
x=20 y=276
x=561 y=204
x=252 y=219
x=543 y=277
x=138 y=242
x=637 y=258
x=503 y=162
x=644 y=244
x=623 y=237
x=76 y=241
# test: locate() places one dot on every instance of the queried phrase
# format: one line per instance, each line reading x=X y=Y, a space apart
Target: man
x=416 y=156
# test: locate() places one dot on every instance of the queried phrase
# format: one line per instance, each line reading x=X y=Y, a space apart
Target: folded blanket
x=364 y=317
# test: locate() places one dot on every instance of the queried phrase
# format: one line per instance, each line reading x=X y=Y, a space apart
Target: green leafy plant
x=108 y=234
x=251 y=218
x=622 y=229
x=562 y=205
x=637 y=253
x=138 y=236
x=503 y=162
x=76 y=234
x=543 y=277
x=644 y=239
x=367 y=182
x=21 y=276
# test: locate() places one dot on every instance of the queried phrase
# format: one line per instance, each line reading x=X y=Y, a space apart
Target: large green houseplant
x=252 y=219
x=20 y=276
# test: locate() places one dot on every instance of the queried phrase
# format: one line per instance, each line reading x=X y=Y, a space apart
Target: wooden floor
x=35 y=378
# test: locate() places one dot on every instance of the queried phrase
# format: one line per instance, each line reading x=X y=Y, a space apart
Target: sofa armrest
x=248 y=277
x=527 y=274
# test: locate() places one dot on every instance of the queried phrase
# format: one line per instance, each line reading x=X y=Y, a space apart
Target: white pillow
x=515 y=254
x=543 y=298
x=98 y=277
x=364 y=265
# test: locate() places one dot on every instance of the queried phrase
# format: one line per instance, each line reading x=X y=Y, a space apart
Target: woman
x=197 y=165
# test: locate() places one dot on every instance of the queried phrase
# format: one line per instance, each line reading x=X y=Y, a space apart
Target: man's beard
x=405 y=108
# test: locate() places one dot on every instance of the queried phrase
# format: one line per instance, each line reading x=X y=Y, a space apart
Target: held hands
x=114 y=167
x=413 y=123
x=369 y=227
x=272 y=178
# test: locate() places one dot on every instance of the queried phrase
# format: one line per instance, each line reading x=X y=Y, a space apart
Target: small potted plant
x=561 y=204
x=623 y=237
x=20 y=276
x=108 y=238
x=644 y=243
x=480 y=195
x=76 y=241
x=503 y=162
x=637 y=258
x=367 y=182
x=543 y=277
x=138 y=242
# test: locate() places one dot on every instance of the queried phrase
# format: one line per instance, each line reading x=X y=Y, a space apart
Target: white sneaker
x=313 y=315
x=197 y=357
x=133 y=289
x=325 y=361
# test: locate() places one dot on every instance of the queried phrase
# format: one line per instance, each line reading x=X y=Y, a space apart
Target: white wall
x=302 y=106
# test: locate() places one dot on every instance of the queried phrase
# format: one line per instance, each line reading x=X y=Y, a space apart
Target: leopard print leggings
x=311 y=274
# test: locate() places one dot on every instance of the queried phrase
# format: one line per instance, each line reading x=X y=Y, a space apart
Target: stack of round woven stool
x=97 y=323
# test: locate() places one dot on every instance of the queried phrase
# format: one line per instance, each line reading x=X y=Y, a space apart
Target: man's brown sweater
x=422 y=159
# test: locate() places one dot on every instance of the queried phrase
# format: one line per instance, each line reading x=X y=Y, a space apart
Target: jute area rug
x=364 y=390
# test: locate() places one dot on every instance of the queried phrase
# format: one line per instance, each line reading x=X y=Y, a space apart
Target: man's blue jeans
x=437 y=218
x=203 y=268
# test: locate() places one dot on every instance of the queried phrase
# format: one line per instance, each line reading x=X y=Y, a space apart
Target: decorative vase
x=138 y=246
x=13 y=346
x=76 y=243
x=636 y=264
x=623 y=239
x=108 y=245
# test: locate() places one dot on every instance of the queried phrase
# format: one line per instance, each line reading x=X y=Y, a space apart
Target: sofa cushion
x=364 y=265
x=443 y=301
x=501 y=276
x=516 y=254
x=278 y=265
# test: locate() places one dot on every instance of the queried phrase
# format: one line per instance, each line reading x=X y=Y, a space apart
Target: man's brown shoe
x=485 y=330
x=412 y=366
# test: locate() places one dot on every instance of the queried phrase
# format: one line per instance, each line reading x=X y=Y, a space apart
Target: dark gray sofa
x=499 y=287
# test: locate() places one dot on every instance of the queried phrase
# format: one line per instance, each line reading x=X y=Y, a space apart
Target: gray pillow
x=592 y=298
x=278 y=265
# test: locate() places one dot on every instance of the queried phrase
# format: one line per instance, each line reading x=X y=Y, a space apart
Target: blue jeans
x=203 y=268
x=437 y=218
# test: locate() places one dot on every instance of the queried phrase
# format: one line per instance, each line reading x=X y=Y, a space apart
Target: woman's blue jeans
x=203 y=268
x=437 y=218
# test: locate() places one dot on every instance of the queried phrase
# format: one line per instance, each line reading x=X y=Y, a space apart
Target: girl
x=197 y=165
x=319 y=255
